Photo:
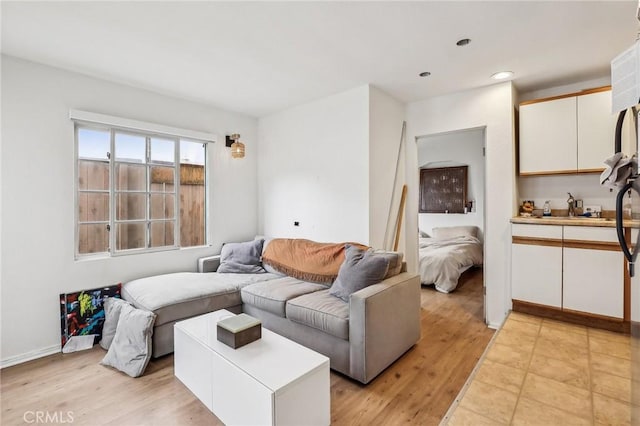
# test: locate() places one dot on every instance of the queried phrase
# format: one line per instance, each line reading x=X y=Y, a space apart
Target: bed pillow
x=242 y=258
x=360 y=269
x=112 y=308
x=395 y=261
x=130 y=350
x=455 y=231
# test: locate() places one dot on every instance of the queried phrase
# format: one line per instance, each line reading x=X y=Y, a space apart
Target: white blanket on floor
x=442 y=261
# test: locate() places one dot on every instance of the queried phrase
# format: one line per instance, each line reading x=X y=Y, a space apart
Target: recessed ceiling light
x=425 y=74
x=502 y=75
x=463 y=42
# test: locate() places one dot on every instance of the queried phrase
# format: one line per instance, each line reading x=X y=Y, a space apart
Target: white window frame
x=113 y=125
x=147 y=220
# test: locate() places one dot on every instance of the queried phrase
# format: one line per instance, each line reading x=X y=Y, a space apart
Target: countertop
x=574 y=221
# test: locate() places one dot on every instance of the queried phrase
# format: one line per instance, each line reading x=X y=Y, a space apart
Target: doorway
x=444 y=222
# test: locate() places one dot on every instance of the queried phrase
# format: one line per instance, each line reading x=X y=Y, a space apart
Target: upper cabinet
x=596 y=130
x=566 y=134
x=548 y=137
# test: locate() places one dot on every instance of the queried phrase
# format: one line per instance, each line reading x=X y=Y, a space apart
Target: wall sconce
x=237 y=147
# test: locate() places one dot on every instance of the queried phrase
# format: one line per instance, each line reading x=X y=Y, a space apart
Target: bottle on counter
x=546 y=211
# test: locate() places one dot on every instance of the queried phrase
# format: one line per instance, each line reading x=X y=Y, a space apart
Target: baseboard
x=28 y=356
x=574 y=317
x=494 y=326
x=497 y=325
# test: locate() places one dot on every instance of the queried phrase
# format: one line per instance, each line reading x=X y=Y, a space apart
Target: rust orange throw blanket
x=306 y=260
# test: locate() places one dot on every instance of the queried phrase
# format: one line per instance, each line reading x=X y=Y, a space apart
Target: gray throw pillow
x=361 y=268
x=242 y=258
x=130 y=350
x=395 y=261
x=112 y=309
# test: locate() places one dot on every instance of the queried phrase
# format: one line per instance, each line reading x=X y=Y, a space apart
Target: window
x=138 y=191
x=443 y=190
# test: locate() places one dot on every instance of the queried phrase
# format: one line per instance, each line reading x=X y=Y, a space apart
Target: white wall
x=449 y=149
x=38 y=194
x=491 y=107
x=386 y=115
x=330 y=165
x=314 y=168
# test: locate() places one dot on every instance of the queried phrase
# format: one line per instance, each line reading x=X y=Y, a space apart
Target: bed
x=446 y=255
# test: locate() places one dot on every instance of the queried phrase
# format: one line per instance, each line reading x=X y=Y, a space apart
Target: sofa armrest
x=209 y=263
x=384 y=322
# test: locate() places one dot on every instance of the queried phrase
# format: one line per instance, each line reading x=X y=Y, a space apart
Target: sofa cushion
x=186 y=294
x=272 y=295
x=322 y=311
x=241 y=258
x=360 y=269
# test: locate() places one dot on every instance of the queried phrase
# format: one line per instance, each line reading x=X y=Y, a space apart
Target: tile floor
x=545 y=372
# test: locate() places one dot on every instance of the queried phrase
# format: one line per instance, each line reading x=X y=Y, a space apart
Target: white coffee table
x=272 y=381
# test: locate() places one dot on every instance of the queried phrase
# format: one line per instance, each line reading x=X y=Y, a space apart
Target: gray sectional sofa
x=361 y=337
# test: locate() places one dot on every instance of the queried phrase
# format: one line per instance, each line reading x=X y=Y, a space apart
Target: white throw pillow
x=455 y=231
x=130 y=350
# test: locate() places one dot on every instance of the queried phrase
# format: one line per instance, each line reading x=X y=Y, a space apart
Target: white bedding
x=442 y=261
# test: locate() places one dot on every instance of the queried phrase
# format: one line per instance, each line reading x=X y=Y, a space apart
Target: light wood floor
x=417 y=389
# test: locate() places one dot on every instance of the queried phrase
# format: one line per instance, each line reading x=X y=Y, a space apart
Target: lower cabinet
x=593 y=266
x=595 y=283
x=573 y=268
x=536 y=264
x=536 y=274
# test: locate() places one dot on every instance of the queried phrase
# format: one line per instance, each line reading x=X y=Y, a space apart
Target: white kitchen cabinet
x=596 y=128
x=536 y=264
x=548 y=137
x=593 y=279
x=536 y=274
x=567 y=135
x=578 y=269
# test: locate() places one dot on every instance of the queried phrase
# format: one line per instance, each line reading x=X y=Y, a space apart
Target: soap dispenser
x=546 y=211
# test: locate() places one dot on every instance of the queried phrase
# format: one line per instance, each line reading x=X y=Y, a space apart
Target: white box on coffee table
x=272 y=381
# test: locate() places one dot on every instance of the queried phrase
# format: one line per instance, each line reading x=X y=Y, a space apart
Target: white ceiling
x=261 y=57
